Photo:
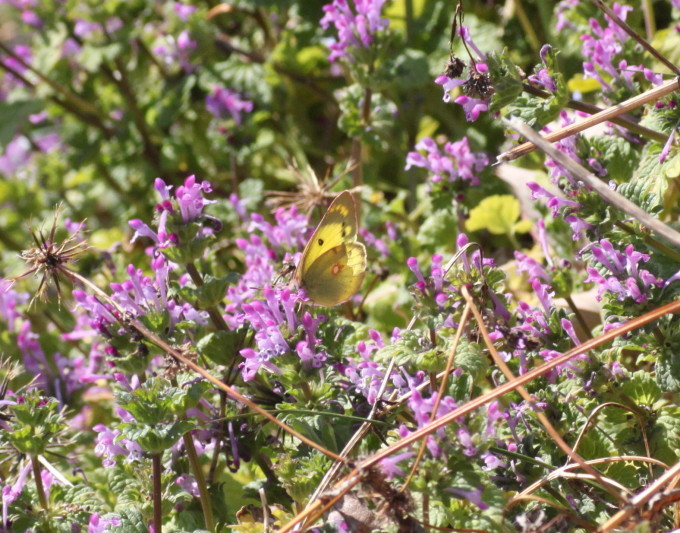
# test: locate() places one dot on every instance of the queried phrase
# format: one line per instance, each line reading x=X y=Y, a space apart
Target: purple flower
x=422 y=409
x=389 y=464
x=455 y=163
x=473 y=496
x=109 y=444
x=355 y=30
x=472 y=107
x=184 y=11
x=448 y=84
x=225 y=103
x=529 y=265
x=603 y=46
x=188 y=484
x=31 y=18
x=177 y=51
x=627 y=279
x=190 y=198
x=543 y=77
x=101 y=525
x=476 y=84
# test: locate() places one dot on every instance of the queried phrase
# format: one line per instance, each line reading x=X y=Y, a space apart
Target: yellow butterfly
x=333 y=263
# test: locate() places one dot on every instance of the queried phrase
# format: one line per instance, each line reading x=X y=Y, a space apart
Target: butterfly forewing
x=333 y=264
x=338 y=226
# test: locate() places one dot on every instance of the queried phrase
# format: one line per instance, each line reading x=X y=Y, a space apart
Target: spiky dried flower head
x=49 y=258
x=311 y=193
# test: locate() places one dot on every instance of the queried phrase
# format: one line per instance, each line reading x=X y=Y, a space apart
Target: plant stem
x=652 y=242
x=200 y=481
x=39 y=487
x=215 y=316
x=157 y=501
x=527 y=25
x=648 y=15
x=219 y=435
x=625 y=120
x=579 y=317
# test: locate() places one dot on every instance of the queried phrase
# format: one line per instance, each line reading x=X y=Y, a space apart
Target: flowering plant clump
x=501 y=350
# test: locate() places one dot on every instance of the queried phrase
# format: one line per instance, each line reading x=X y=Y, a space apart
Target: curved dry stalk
x=176 y=354
x=625 y=407
x=641 y=499
x=557 y=438
x=354 y=477
x=560 y=472
x=440 y=393
x=573 y=517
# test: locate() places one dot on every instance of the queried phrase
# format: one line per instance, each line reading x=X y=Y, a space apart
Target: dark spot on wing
x=320 y=241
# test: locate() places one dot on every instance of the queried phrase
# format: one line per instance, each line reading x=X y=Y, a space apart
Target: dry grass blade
x=351 y=479
x=177 y=354
x=592 y=181
x=599 y=408
x=607 y=114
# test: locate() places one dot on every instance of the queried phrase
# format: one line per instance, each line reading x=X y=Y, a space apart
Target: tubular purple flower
x=102 y=525
x=183 y=11
x=354 y=30
x=412 y=264
x=190 y=198
x=569 y=329
x=389 y=464
x=225 y=103
x=188 y=484
x=473 y=496
x=529 y=265
x=544 y=294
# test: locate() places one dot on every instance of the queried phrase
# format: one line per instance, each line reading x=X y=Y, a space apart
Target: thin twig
x=592 y=181
x=354 y=477
x=607 y=114
x=625 y=121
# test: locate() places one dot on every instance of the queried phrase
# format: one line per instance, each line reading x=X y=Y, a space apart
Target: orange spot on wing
x=337 y=268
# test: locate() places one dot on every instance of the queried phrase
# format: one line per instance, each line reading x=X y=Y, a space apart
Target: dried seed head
x=454 y=67
x=479 y=85
x=48 y=258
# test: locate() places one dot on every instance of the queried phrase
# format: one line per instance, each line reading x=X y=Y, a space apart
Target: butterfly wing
x=333 y=264
x=336 y=274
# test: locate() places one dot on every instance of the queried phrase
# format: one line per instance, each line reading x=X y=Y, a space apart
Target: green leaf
x=469 y=357
x=220 y=346
x=497 y=214
x=435 y=230
x=211 y=293
x=383 y=112
x=131 y=521
x=668 y=372
x=641 y=389
x=15 y=116
x=506 y=78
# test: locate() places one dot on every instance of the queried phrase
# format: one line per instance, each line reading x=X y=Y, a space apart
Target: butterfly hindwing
x=333 y=264
x=336 y=275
